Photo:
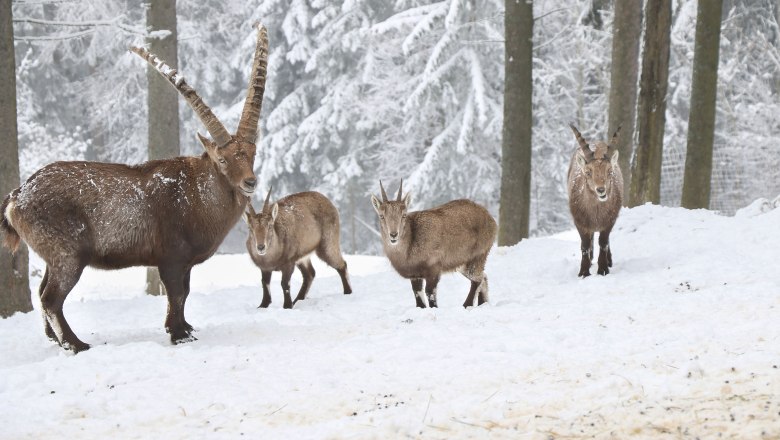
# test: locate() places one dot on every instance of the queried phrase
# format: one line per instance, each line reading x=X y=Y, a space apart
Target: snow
x=680 y=339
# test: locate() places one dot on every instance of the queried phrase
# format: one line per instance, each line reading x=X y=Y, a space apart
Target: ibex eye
x=222 y=161
x=381 y=216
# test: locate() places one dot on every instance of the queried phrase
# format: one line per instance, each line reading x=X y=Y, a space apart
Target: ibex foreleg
x=431 y=283
x=586 y=246
x=287 y=272
x=176 y=280
x=266 y=289
x=605 y=253
x=417 y=288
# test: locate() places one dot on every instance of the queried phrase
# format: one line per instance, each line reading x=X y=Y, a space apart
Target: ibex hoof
x=584 y=273
x=264 y=305
x=183 y=339
x=603 y=270
x=76 y=347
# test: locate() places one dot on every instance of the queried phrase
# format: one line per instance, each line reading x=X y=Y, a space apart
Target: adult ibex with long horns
x=595 y=197
x=422 y=245
x=170 y=213
x=285 y=234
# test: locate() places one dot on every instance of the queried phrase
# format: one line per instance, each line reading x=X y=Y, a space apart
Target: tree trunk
x=162 y=100
x=515 y=198
x=701 y=120
x=626 y=32
x=646 y=171
x=15 y=295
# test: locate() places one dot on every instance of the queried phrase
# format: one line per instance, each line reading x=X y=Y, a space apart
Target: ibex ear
x=376 y=203
x=580 y=158
x=274 y=211
x=408 y=199
x=207 y=144
x=614 y=158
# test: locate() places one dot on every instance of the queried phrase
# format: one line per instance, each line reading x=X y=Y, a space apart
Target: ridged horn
x=206 y=116
x=583 y=145
x=400 y=191
x=384 y=194
x=614 y=141
x=247 y=126
x=267 y=198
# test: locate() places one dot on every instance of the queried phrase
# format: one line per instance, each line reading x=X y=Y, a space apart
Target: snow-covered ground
x=682 y=339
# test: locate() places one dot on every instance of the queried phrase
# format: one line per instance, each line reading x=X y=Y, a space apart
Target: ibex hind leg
x=483 y=291
x=308 y=273
x=62 y=277
x=47 y=327
x=475 y=272
x=331 y=255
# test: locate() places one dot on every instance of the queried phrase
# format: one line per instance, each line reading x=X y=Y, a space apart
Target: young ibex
x=422 y=245
x=170 y=213
x=595 y=196
x=286 y=233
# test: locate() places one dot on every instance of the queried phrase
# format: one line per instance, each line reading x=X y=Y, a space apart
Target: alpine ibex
x=595 y=197
x=422 y=245
x=286 y=233
x=170 y=213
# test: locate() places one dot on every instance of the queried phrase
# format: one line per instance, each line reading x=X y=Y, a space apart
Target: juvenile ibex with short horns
x=170 y=213
x=285 y=234
x=422 y=245
x=595 y=197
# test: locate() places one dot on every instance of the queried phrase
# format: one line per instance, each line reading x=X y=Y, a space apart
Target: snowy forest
x=362 y=90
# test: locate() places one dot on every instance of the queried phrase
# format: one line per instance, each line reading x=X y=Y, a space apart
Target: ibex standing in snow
x=170 y=213
x=422 y=245
x=286 y=233
x=595 y=197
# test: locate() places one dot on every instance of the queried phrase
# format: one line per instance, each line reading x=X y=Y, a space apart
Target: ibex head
x=392 y=213
x=233 y=155
x=597 y=164
x=261 y=226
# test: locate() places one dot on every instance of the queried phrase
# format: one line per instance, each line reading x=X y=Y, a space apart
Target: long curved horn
x=267 y=198
x=400 y=190
x=384 y=194
x=247 y=126
x=613 y=143
x=583 y=145
x=207 y=117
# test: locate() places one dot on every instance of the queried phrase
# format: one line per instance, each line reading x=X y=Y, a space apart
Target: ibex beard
x=170 y=213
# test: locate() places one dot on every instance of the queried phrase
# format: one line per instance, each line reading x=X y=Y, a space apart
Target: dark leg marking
x=266 y=289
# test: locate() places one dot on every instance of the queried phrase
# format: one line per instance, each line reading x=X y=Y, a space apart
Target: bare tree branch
x=114 y=22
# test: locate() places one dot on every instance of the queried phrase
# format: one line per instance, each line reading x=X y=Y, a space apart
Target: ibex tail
x=11 y=236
